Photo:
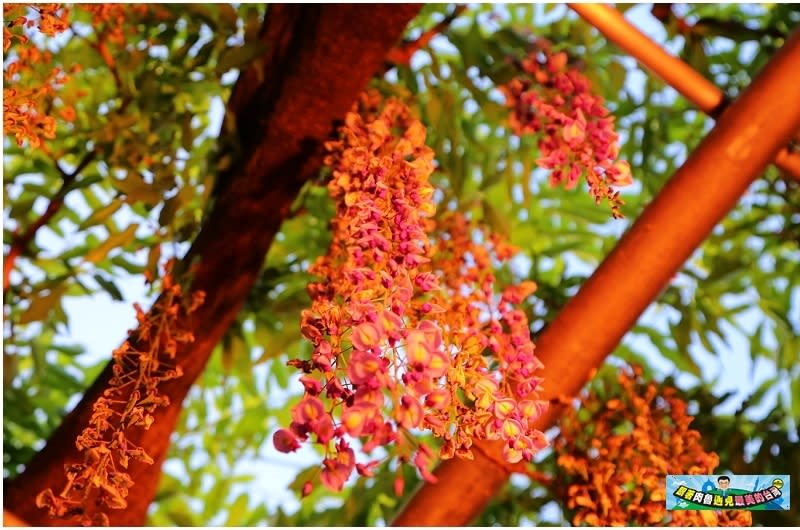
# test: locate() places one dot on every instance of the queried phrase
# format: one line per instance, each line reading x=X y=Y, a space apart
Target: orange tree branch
x=320 y=57
x=746 y=138
x=401 y=54
x=676 y=73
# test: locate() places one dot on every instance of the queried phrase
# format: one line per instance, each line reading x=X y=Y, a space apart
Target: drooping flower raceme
x=408 y=332
x=576 y=132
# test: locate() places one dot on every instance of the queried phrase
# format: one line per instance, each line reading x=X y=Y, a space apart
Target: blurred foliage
x=152 y=121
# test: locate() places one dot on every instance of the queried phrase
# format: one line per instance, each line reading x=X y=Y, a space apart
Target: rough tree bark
x=320 y=57
x=746 y=138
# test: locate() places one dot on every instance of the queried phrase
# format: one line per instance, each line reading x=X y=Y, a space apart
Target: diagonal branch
x=401 y=54
x=320 y=57
x=747 y=136
x=19 y=244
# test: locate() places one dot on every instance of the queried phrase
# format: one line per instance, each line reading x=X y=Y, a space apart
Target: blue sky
x=100 y=324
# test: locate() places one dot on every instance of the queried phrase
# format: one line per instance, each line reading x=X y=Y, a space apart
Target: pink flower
x=574 y=133
x=418 y=349
x=366 y=336
x=577 y=134
x=391 y=324
x=427 y=281
x=504 y=407
x=309 y=410
x=437 y=365
x=333 y=475
x=308 y=487
x=439 y=399
x=285 y=442
x=323 y=428
x=356 y=418
x=311 y=385
x=620 y=173
x=366 y=470
x=409 y=414
x=511 y=429
x=363 y=367
x=423 y=460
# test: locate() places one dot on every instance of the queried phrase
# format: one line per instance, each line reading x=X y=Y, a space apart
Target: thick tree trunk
x=747 y=137
x=319 y=59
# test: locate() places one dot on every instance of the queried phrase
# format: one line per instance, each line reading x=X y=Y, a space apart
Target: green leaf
x=110 y=287
x=617 y=75
x=237 y=511
x=100 y=215
x=182 y=515
x=42 y=304
x=497 y=222
x=169 y=487
x=127 y=266
x=99 y=252
x=216 y=497
x=137 y=190
x=309 y=473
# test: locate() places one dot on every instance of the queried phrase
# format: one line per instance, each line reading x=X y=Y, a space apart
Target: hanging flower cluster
x=24 y=104
x=577 y=137
x=408 y=335
x=129 y=402
x=615 y=451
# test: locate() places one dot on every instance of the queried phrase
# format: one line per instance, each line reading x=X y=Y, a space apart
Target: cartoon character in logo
x=724 y=487
x=724 y=483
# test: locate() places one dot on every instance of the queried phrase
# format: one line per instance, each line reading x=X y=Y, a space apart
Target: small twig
x=20 y=242
x=401 y=55
x=102 y=49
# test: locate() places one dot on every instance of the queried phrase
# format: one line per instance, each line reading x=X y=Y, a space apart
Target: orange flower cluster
x=31 y=85
x=52 y=20
x=576 y=133
x=113 y=20
x=25 y=102
x=615 y=451
x=408 y=335
x=129 y=402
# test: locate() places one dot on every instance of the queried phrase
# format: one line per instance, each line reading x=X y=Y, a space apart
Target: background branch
x=20 y=242
x=401 y=54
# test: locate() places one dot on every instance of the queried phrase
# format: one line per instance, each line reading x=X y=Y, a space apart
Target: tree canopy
x=349 y=226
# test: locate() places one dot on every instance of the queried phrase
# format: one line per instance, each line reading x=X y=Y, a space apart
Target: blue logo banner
x=728 y=492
